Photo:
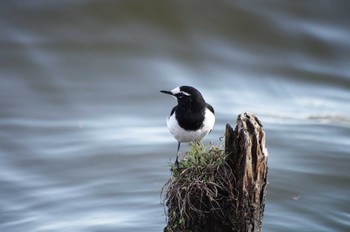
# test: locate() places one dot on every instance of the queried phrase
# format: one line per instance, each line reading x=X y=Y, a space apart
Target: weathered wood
x=247 y=156
x=234 y=197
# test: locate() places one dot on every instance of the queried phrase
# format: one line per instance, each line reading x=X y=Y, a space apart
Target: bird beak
x=167 y=92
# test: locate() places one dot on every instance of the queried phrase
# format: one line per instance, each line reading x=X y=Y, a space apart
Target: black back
x=190 y=110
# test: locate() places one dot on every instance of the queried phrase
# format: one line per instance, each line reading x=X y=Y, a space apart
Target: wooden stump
x=231 y=195
x=247 y=155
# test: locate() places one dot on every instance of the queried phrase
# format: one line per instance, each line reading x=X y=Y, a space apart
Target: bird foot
x=177 y=163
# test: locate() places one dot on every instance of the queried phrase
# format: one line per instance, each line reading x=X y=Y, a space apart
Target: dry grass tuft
x=198 y=188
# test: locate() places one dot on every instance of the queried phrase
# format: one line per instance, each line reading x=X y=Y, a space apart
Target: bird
x=191 y=119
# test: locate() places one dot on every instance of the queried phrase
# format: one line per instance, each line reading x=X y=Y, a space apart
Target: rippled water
x=83 y=140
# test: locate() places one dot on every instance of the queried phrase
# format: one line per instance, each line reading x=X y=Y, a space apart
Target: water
x=83 y=141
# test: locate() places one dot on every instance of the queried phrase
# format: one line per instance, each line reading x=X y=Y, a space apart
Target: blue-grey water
x=83 y=140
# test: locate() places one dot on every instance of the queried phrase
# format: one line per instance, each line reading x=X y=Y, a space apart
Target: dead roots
x=199 y=189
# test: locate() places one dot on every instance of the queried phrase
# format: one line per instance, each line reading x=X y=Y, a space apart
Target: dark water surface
x=83 y=140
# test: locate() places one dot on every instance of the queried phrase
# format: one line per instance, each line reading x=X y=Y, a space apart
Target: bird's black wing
x=172 y=111
x=210 y=108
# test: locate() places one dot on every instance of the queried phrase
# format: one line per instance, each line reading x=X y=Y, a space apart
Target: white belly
x=185 y=136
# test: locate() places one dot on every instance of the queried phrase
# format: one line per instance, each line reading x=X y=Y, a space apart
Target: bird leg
x=177 y=155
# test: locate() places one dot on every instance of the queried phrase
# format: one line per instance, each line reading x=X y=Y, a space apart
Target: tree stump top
x=221 y=189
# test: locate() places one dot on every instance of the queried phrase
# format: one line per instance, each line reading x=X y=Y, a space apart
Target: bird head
x=186 y=95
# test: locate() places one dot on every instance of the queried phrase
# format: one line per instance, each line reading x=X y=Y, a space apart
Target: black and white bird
x=191 y=119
